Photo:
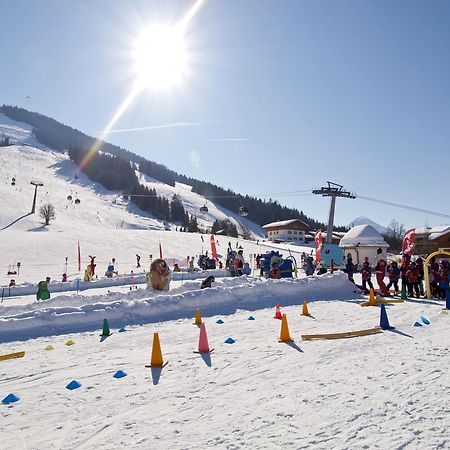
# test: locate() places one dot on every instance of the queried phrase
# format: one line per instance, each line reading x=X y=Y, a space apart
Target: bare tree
x=394 y=236
x=396 y=229
x=47 y=212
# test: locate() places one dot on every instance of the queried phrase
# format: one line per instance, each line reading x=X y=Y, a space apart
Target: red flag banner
x=213 y=248
x=409 y=241
x=160 y=251
x=79 y=257
x=318 y=243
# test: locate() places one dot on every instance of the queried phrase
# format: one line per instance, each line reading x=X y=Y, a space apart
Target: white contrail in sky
x=160 y=127
x=227 y=139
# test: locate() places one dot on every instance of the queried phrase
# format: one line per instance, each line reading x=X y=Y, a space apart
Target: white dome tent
x=362 y=241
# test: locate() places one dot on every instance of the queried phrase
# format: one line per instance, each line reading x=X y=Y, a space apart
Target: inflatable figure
x=42 y=293
x=88 y=273
x=159 y=276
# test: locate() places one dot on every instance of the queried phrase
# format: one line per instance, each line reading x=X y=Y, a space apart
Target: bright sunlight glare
x=160 y=57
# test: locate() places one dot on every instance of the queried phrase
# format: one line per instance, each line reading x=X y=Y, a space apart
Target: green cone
x=404 y=297
x=106 y=331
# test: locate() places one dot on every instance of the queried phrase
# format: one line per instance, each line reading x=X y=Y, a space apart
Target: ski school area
x=251 y=362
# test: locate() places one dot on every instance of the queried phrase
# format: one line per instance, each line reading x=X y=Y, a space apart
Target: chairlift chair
x=243 y=211
x=204 y=208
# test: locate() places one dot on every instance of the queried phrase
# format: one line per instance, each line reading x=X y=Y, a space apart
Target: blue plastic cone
x=122 y=330
x=220 y=321
x=384 y=321
x=251 y=318
x=73 y=385
x=230 y=341
x=10 y=398
x=417 y=324
x=120 y=374
x=425 y=320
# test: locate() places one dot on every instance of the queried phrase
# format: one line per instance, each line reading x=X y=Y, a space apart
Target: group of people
x=409 y=272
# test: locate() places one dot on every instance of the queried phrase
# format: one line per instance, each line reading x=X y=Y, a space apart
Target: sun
x=160 y=57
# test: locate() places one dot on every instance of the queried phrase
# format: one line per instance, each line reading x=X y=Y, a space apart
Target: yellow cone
x=372 y=300
x=70 y=342
x=49 y=347
x=305 y=311
x=284 y=334
x=157 y=359
x=198 y=317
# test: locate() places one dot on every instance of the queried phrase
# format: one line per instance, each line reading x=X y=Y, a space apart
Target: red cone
x=277 y=312
x=203 y=346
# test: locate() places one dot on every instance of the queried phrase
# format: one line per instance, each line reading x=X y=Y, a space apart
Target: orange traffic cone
x=277 y=312
x=203 y=346
x=284 y=334
x=372 y=299
x=157 y=359
x=305 y=311
x=198 y=317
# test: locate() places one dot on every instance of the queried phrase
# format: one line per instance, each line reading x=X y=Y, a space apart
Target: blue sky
x=281 y=95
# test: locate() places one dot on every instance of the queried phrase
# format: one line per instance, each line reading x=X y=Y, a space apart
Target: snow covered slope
x=29 y=160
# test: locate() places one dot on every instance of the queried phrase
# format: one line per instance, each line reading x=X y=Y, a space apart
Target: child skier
x=365 y=275
x=412 y=277
x=393 y=274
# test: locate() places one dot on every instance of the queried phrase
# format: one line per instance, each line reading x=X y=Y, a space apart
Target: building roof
x=434 y=232
x=363 y=236
x=284 y=223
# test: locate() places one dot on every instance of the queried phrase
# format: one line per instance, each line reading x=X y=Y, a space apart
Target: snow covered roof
x=434 y=232
x=364 y=236
x=283 y=223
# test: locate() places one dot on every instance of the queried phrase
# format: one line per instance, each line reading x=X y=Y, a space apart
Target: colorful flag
x=409 y=241
x=213 y=248
x=318 y=243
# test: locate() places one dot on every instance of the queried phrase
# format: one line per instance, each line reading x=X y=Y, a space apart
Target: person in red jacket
x=393 y=274
x=380 y=271
x=412 y=276
x=403 y=269
x=365 y=275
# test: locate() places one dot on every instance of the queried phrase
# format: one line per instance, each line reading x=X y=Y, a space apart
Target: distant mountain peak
x=366 y=221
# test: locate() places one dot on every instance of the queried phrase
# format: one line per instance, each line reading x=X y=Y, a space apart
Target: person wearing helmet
x=365 y=276
x=393 y=274
x=412 y=276
x=380 y=271
x=419 y=262
x=443 y=279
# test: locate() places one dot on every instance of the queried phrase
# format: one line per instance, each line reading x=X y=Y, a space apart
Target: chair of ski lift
x=243 y=211
x=204 y=208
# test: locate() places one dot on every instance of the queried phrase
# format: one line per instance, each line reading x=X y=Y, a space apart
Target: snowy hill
x=366 y=221
x=29 y=160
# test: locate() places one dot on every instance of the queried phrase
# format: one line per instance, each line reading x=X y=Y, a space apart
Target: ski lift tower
x=333 y=190
x=35 y=184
